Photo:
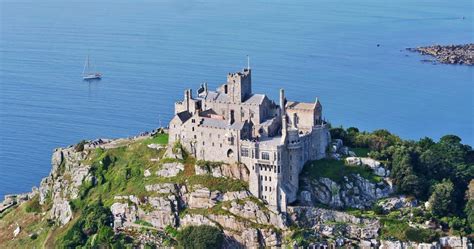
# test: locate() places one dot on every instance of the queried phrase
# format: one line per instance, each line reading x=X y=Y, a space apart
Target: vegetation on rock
x=200 y=237
x=437 y=172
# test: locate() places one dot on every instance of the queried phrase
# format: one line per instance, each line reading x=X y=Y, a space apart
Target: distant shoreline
x=449 y=54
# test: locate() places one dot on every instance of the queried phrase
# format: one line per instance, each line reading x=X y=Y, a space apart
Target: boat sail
x=88 y=73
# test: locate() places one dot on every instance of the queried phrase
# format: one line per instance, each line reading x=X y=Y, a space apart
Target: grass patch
x=34 y=228
x=396 y=229
x=143 y=223
x=336 y=170
x=157 y=139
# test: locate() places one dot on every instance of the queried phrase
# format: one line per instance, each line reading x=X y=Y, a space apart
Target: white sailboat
x=88 y=73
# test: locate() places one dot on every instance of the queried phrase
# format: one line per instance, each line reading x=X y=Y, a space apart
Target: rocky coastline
x=449 y=54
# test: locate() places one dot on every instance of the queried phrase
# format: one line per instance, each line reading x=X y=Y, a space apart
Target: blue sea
x=151 y=50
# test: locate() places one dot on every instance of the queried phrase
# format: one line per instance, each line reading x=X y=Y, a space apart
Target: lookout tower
x=238 y=86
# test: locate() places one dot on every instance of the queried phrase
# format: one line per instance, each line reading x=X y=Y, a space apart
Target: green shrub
x=33 y=205
x=421 y=235
x=378 y=209
x=95 y=219
x=198 y=237
x=80 y=146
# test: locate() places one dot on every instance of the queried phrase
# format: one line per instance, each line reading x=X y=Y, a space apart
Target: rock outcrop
x=354 y=192
x=327 y=222
x=236 y=171
x=170 y=169
x=398 y=202
x=62 y=185
x=451 y=54
x=373 y=164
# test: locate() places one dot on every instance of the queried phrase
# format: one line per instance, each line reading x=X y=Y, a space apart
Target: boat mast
x=86 y=65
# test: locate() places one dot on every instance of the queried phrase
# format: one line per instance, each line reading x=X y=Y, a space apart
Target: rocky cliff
x=153 y=191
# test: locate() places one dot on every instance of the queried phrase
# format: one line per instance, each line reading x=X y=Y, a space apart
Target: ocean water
x=150 y=51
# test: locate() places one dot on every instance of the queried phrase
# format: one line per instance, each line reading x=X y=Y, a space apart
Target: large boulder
x=328 y=221
x=124 y=214
x=195 y=220
x=163 y=211
x=398 y=202
x=163 y=188
x=233 y=170
x=61 y=210
x=353 y=192
x=202 y=198
x=170 y=169
x=375 y=165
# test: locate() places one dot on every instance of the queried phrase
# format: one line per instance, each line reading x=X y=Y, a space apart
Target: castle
x=234 y=125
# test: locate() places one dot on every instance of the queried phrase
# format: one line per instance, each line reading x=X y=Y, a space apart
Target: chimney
x=186 y=99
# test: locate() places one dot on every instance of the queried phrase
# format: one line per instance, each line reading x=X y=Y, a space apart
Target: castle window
x=278 y=168
x=265 y=188
x=270 y=178
x=213 y=144
x=220 y=145
x=265 y=156
x=261 y=178
x=218 y=135
x=195 y=137
x=291 y=177
x=265 y=178
x=193 y=128
x=244 y=152
x=203 y=143
x=193 y=121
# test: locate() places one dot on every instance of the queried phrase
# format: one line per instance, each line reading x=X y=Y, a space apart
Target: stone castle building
x=234 y=125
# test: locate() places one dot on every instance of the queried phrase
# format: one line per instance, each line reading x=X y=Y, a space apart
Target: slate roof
x=183 y=116
x=300 y=105
x=255 y=99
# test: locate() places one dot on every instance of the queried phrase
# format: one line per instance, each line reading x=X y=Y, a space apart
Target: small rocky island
x=450 y=54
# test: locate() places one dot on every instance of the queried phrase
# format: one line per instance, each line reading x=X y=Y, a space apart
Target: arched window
x=230 y=153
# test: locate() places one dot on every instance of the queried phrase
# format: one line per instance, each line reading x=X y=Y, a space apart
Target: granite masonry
x=234 y=125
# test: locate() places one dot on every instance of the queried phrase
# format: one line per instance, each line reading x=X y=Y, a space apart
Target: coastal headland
x=372 y=190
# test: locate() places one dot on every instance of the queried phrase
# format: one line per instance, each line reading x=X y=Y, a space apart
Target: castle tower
x=295 y=156
x=239 y=85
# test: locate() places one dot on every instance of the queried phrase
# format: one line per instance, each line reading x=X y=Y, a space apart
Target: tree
x=403 y=175
x=440 y=200
x=197 y=237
